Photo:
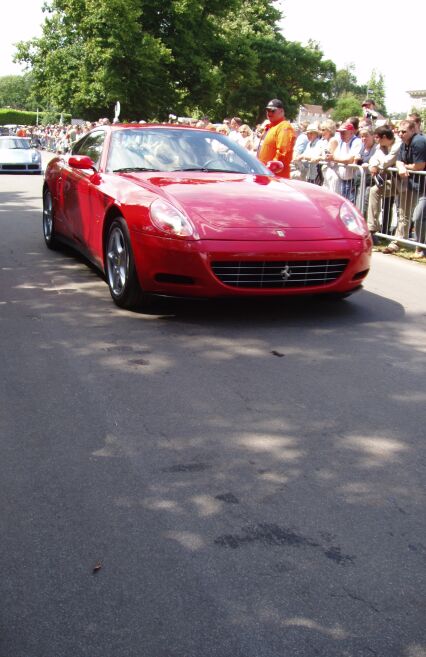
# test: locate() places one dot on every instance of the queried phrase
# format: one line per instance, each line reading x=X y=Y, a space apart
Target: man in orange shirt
x=278 y=139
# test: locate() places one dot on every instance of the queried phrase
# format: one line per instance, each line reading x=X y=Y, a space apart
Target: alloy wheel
x=117 y=261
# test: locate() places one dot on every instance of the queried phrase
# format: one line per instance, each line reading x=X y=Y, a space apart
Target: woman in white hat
x=311 y=155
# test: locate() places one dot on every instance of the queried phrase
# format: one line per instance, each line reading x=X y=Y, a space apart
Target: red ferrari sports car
x=173 y=210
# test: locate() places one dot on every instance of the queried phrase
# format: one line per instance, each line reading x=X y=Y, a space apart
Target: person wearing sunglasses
x=412 y=190
x=276 y=146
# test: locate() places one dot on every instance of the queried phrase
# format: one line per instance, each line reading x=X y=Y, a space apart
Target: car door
x=81 y=189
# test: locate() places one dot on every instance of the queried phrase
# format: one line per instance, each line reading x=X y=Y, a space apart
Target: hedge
x=20 y=117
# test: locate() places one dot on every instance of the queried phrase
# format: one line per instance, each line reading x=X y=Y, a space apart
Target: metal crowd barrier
x=402 y=204
x=395 y=208
x=347 y=180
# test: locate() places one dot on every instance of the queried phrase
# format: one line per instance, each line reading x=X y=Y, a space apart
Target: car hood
x=250 y=207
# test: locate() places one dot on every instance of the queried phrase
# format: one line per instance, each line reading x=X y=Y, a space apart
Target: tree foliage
x=345 y=82
x=217 y=57
x=15 y=91
x=347 y=90
x=347 y=105
x=92 y=53
x=376 y=90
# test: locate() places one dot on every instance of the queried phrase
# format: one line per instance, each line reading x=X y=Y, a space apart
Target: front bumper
x=184 y=267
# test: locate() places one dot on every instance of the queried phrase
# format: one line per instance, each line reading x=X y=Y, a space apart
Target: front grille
x=14 y=167
x=282 y=274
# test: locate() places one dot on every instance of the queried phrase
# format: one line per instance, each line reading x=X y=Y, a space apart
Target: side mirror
x=81 y=162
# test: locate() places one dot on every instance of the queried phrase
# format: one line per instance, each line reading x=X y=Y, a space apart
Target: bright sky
x=386 y=37
x=389 y=40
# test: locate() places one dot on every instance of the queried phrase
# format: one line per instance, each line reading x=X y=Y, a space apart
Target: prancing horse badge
x=285 y=273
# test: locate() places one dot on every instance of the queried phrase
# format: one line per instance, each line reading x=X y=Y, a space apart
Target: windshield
x=167 y=149
x=12 y=143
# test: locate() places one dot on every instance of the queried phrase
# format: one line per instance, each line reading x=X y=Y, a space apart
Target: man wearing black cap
x=276 y=146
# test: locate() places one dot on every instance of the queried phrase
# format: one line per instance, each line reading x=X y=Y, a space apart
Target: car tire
x=120 y=270
x=49 y=221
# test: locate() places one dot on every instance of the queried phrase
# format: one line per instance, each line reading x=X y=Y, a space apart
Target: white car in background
x=17 y=155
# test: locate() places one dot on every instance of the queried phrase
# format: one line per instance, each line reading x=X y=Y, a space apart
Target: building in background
x=312 y=114
x=418 y=99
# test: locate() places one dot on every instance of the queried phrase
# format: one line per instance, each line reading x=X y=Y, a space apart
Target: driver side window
x=92 y=145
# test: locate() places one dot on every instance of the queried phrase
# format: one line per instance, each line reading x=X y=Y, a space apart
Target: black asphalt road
x=209 y=479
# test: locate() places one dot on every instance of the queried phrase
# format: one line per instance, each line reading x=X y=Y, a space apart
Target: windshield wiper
x=226 y=171
x=130 y=169
x=190 y=169
x=207 y=170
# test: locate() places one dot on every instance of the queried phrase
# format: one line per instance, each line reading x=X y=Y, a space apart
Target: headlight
x=352 y=219
x=169 y=219
x=35 y=156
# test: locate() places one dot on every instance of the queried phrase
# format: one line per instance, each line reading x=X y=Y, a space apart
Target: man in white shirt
x=347 y=153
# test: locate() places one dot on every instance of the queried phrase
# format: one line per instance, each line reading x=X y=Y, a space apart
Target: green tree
x=345 y=82
x=277 y=68
x=15 y=91
x=233 y=58
x=376 y=90
x=347 y=105
x=93 y=52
